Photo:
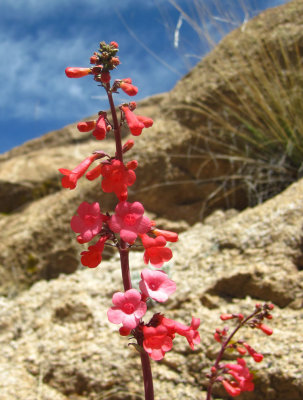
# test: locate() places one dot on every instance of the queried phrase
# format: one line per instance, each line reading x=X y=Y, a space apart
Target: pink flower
x=116 y=178
x=156 y=341
x=88 y=222
x=129 y=221
x=100 y=130
x=242 y=376
x=75 y=72
x=135 y=126
x=156 y=285
x=155 y=251
x=93 y=256
x=70 y=178
x=128 y=309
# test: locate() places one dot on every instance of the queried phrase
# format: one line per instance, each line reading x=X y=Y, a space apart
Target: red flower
x=128 y=88
x=156 y=341
x=156 y=285
x=70 y=178
x=100 y=130
x=190 y=332
x=93 y=256
x=86 y=126
x=169 y=236
x=75 y=72
x=243 y=378
x=258 y=357
x=116 y=178
x=231 y=387
x=129 y=221
x=155 y=251
x=147 y=122
x=88 y=222
x=135 y=126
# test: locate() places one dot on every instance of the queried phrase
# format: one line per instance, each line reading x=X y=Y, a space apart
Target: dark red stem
x=124 y=259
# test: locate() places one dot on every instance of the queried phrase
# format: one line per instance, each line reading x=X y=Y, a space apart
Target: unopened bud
x=226 y=317
x=93 y=59
x=114 y=44
x=75 y=72
x=132 y=164
x=264 y=328
x=128 y=145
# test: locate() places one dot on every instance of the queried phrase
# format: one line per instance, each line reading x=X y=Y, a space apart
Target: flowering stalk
x=243 y=381
x=127 y=224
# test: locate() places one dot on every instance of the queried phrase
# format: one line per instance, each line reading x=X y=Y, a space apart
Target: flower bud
x=132 y=164
x=93 y=59
x=264 y=328
x=114 y=44
x=128 y=145
x=75 y=72
x=129 y=89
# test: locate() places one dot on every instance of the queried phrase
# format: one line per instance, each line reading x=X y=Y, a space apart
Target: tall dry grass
x=258 y=125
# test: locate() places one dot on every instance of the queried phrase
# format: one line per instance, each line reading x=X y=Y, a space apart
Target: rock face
x=56 y=342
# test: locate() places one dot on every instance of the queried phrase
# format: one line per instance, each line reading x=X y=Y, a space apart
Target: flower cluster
x=241 y=378
x=127 y=225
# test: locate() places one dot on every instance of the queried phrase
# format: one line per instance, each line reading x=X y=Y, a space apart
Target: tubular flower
x=128 y=88
x=189 y=332
x=156 y=341
x=94 y=173
x=169 y=236
x=258 y=357
x=128 y=309
x=116 y=178
x=93 y=256
x=243 y=378
x=129 y=221
x=155 y=251
x=156 y=285
x=147 y=122
x=70 y=178
x=264 y=328
x=86 y=126
x=135 y=126
x=100 y=130
x=88 y=222
x=75 y=72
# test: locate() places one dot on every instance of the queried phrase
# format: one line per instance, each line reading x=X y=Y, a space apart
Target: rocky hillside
x=55 y=338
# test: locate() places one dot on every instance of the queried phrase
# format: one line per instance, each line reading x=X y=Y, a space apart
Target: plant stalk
x=124 y=255
x=223 y=348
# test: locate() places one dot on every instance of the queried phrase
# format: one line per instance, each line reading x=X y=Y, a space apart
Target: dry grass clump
x=256 y=120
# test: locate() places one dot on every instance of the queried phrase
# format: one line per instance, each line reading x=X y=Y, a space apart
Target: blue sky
x=40 y=38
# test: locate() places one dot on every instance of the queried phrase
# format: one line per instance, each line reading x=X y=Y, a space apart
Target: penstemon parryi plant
x=128 y=225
